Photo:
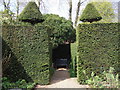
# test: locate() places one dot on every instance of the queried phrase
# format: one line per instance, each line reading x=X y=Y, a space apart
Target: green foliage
x=6 y=17
x=61 y=29
x=52 y=70
x=6 y=84
x=106 y=10
x=31 y=14
x=26 y=53
x=73 y=66
x=108 y=80
x=72 y=72
x=97 y=48
x=90 y=14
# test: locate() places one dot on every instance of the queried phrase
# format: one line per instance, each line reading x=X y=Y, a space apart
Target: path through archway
x=61 y=56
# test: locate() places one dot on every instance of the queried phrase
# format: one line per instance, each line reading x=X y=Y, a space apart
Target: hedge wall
x=26 y=53
x=97 y=48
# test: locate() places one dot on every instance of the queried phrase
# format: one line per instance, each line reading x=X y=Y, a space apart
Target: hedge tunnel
x=61 y=52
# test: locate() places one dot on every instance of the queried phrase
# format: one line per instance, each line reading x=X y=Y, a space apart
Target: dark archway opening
x=61 y=56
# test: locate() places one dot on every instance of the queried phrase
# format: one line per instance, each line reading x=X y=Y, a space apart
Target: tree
x=78 y=10
x=7 y=17
x=105 y=9
x=17 y=7
x=90 y=14
x=61 y=29
x=6 y=5
x=70 y=10
x=7 y=12
x=31 y=14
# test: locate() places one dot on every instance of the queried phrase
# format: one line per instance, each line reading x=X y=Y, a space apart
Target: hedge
x=97 y=48
x=26 y=53
x=31 y=14
x=90 y=14
x=73 y=58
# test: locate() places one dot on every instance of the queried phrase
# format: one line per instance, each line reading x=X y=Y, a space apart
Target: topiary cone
x=90 y=14
x=31 y=14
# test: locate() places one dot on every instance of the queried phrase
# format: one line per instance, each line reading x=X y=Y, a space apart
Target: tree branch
x=83 y=2
x=78 y=10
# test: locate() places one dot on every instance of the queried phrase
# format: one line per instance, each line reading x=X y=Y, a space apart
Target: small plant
x=72 y=70
x=109 y=80
x=6 y=84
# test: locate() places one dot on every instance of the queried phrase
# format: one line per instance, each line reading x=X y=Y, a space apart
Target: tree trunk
x=70 y=10
x=17 y=7
x=77 y=12
x=38 y=2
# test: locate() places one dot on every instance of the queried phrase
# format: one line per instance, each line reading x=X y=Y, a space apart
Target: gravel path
x=61 y=79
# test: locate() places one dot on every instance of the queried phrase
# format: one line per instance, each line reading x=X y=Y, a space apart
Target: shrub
x=26 y=51
x=108 y=80
x=90 y=14
x=6 y=84
x=31 y=14
x=97 y=48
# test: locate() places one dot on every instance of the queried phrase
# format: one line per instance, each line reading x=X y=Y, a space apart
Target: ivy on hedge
x=97 y=48
x=27 y=50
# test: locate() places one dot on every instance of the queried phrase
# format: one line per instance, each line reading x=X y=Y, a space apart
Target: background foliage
x=61 y=29
x=106 y=11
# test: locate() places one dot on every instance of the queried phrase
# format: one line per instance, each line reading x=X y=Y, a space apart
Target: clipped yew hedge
x=97 y=48
x=90 y=14
x=31 y=14
x=26 y=53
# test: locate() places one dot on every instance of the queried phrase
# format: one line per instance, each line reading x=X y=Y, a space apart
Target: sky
x=59 y=7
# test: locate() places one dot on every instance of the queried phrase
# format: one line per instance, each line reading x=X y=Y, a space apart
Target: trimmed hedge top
x=31 y=14
x=90 y=14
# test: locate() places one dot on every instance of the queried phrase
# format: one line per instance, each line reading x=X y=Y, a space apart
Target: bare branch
x=5 y=6
x=83 y=2
x=78 y=10
x=8 y=3
x=42 y=3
